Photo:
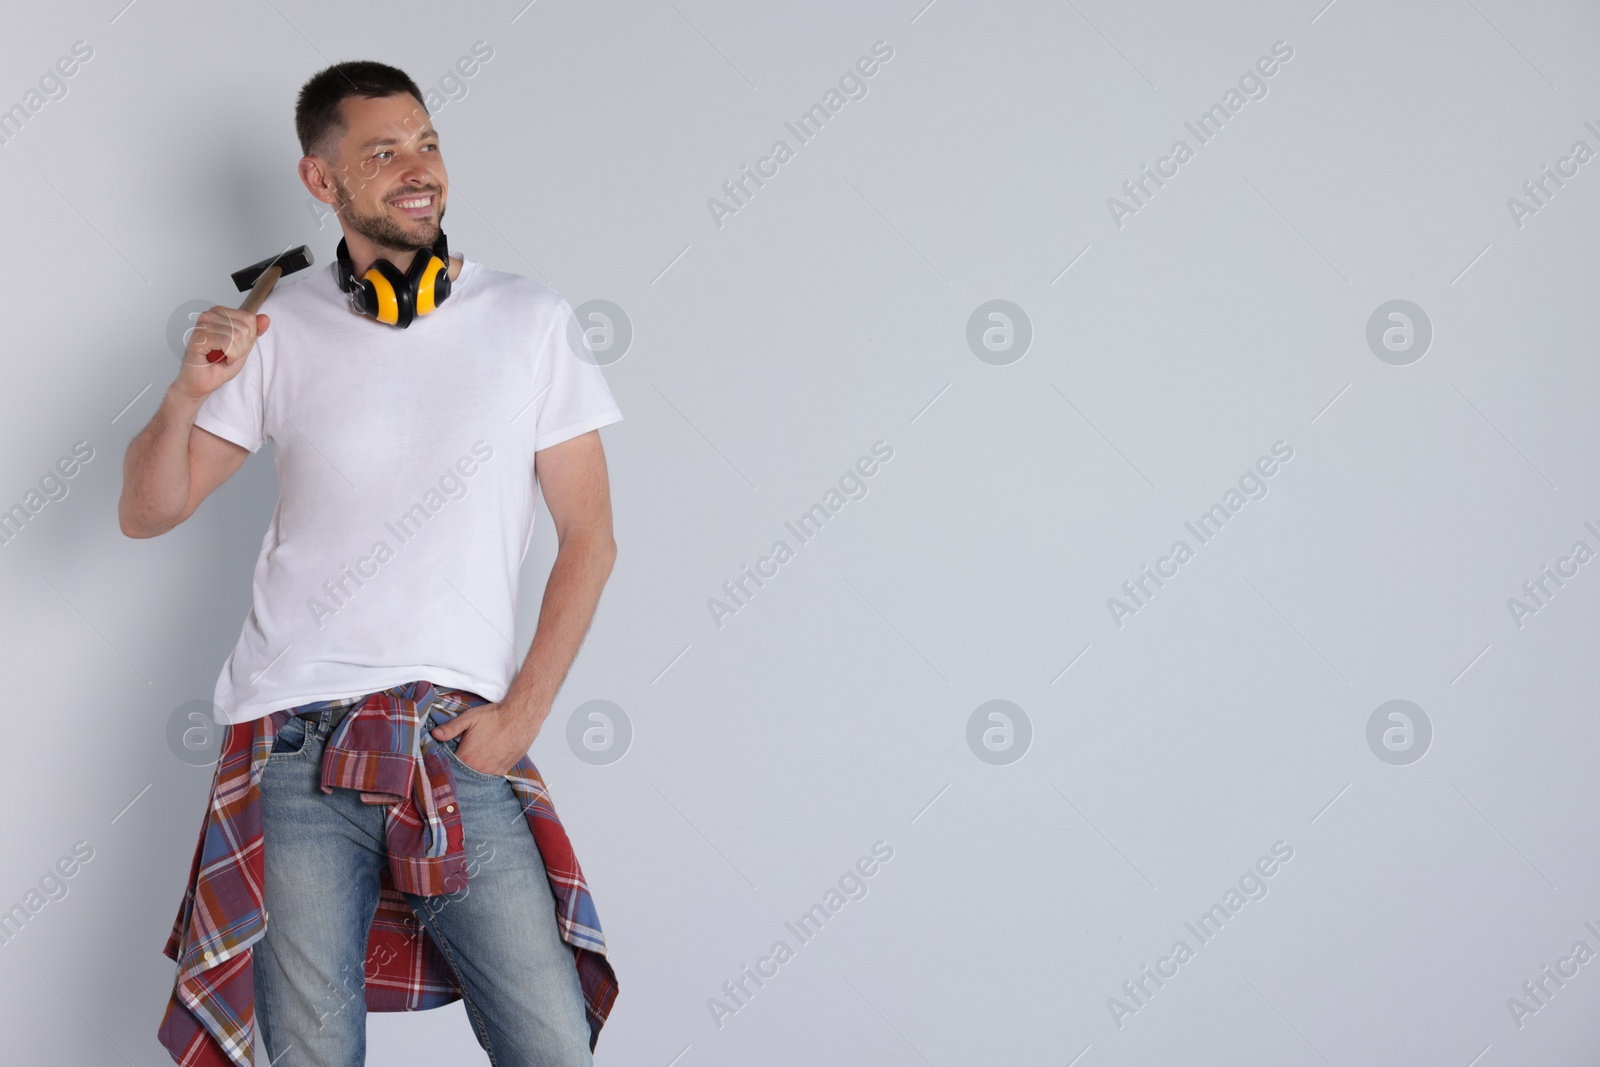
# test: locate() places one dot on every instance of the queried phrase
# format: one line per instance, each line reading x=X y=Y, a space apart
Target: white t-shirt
x=405 y=484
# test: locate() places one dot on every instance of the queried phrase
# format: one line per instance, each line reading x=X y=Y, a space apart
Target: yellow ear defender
x=397 y=297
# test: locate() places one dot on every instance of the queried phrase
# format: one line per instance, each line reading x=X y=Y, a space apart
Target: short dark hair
x=317 y=117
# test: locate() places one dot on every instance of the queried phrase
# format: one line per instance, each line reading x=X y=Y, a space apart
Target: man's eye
x=380 y=155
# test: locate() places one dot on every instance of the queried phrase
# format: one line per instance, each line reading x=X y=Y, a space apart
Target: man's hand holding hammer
x=229 y=330
x=169 y=469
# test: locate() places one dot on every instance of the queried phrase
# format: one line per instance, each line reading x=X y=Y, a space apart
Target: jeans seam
x=479 y=1022
x=299 y=753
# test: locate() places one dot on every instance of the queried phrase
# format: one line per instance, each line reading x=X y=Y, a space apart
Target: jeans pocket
x=461 y=764
x=291 y=739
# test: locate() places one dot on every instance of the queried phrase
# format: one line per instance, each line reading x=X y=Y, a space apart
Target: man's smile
x=419 y=207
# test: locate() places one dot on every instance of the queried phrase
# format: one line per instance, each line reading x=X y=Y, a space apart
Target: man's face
x=389 y=174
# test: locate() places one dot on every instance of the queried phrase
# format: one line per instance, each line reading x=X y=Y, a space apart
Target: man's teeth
x=419 y=202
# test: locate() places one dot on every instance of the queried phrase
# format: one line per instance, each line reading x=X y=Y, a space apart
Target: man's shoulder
x=528 y=295
x=303 y=290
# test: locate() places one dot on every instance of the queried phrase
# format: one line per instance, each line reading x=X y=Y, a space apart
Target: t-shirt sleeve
x=572 y=396
x=235 y=411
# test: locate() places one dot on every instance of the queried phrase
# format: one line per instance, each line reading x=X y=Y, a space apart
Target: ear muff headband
x=394 y=297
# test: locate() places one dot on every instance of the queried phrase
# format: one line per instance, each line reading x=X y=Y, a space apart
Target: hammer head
x=290 y=261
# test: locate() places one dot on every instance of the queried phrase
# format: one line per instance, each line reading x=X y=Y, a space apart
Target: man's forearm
x=155 y=471
x=571 y=594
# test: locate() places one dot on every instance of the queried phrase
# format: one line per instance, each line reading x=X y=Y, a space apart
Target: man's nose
x=415 y=169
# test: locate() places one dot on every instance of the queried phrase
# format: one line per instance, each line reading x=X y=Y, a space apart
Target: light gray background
x=769 y=354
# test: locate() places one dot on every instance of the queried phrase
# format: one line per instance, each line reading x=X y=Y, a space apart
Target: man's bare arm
x=169 y=467
x=572 y=476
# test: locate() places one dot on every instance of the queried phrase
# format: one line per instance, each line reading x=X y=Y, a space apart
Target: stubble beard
x=384 y=231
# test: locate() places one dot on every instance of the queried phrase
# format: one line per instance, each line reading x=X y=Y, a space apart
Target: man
x=377 y=838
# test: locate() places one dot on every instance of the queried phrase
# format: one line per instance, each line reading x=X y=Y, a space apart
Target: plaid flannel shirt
x=384 y=749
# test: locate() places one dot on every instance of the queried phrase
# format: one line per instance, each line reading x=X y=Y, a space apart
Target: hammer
x=259 y=278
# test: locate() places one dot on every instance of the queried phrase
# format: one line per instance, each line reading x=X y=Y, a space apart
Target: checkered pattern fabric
x=381 y=747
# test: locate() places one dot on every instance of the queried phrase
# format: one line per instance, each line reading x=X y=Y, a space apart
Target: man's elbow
x=141 y=528
x=603 y=547
x=593 y=544
x=130 y=529
x=127 y=524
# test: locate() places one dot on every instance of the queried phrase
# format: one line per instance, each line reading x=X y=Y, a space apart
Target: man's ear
x=318 y=179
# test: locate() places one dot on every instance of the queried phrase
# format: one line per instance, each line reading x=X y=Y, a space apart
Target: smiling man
x=377 y=838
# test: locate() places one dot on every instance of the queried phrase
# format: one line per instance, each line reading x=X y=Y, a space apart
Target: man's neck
x=365 y=252
x=362 y=259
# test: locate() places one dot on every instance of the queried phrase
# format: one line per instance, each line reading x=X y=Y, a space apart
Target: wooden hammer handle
x=252 y=302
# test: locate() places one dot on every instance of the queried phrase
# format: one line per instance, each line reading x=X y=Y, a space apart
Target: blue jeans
x=323 y=855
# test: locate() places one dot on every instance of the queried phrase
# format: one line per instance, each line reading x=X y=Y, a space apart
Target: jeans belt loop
x=332 y=716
